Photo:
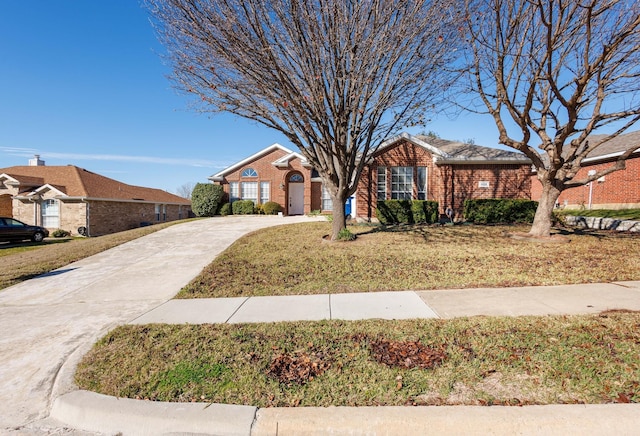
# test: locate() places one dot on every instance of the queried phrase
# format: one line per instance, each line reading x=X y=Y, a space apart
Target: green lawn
x=477 y=360
x=292 y=260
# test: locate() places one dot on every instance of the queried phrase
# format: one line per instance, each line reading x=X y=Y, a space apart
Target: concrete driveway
x=48 y=323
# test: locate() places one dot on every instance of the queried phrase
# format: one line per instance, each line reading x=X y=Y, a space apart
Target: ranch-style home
x=82 y=202
x=404 y=167
x=618 y=190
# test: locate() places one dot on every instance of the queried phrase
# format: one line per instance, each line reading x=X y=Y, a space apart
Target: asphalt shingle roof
x=78 y=182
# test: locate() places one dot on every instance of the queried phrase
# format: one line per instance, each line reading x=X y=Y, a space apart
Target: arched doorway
x=296 y=194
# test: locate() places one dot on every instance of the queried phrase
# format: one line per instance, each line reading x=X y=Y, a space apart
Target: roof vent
x=36 y=161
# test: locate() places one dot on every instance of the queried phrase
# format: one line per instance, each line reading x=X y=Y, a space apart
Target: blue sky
x=83 y=83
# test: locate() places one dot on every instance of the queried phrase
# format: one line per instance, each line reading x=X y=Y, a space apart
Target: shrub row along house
x=80 y=201
x=404 y=167
x=427 y=168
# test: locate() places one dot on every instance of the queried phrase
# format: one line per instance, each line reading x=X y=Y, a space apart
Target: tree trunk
x=339 y=218
x=544 y=214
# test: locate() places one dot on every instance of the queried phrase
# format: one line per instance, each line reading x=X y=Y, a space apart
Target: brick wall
x=618 y=190
x=449 y=185
x=111 y=216
x=278 y=180
x=472 y=182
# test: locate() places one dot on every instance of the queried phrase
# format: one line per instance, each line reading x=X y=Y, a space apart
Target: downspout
x=87 y=215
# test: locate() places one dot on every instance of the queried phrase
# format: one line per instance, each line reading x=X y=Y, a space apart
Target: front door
x=296 y=198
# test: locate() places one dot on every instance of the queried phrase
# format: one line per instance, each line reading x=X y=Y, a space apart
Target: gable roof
x=74 y=182
x=275 y=146
x=614 y=147
x=445 y=151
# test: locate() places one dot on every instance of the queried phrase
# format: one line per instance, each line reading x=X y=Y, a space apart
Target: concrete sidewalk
x=48 y=323
x=451 y=303
x=94 y=412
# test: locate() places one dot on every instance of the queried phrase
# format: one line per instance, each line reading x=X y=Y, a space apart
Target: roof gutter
x=482 y=162
x=120 y=200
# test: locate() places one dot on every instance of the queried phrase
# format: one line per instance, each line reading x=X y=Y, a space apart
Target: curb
x=94 y=412
x=90 y=411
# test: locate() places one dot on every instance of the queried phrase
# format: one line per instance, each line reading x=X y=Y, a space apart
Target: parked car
x=12 y=230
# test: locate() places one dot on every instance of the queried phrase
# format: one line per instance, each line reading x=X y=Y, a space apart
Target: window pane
x=382 y=183
x=250 y=191
x=327 y=204
x=234 y=192
x=264 y=192
x=249 y=172
x=401 y=183
x=422 y=183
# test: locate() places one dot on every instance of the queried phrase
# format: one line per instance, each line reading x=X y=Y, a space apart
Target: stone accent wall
x=618 y=190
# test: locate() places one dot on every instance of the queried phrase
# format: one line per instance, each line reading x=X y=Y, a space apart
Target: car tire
x=37 y=237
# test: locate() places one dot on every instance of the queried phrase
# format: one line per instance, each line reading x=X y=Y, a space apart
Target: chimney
x=36 y=162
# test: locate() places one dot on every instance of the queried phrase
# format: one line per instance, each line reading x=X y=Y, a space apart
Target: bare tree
x=185 y=190
x=556 y=71
x=335 y=76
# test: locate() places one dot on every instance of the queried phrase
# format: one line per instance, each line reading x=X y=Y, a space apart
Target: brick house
x=405 y=167
x=618 y=190
x=80 y=201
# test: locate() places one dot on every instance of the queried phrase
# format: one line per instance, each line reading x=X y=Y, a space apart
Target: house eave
x=220 y=175
x=121 y=200
x=482 y=161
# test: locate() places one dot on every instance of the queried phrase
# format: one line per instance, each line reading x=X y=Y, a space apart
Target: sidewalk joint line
x=237 y=309
x=330 y=314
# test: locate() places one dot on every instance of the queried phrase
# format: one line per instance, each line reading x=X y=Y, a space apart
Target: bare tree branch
x=336 y=77
x=560 y=70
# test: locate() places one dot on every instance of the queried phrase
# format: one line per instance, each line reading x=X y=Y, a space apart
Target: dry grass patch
x=23 y=262
x=476 y=361
x=291 y=260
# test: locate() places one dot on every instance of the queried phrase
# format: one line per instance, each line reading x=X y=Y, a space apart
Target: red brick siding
x=278 y=179
x=447 y=184
x=620 y=189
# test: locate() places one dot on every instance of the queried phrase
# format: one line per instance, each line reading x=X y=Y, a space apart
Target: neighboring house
x=618 y=190
x=77 y=200
x=405 y=167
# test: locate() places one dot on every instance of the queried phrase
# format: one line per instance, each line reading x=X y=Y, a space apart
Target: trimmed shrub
x=394 y=212
x=407 y=212
x=225 y=209
x=499 y=211
x=243 y=207
x=271 y=208
x=425 y=212
x=206 y=198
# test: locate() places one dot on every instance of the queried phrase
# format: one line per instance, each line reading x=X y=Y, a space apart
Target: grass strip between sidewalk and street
x=475 y=361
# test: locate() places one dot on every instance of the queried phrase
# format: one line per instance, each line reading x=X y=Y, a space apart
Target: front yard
x=478 y=360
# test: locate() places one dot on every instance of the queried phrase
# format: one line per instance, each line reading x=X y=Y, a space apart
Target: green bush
x=346 y=235
x=206 y=198
x=225 y=209
x=243 y=207
x=503 y=211
x=425 y=212
x=407 y=212
x=271 y=208
x=59 y=233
